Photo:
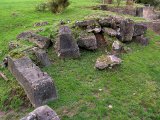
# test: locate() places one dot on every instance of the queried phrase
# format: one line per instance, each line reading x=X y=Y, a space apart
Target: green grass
x=133 y=89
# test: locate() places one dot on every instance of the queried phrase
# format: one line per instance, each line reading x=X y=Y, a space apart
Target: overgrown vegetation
x=55 y=6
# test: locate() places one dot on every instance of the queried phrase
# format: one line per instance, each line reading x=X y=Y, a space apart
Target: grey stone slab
x=38 y=85
x=66 y=46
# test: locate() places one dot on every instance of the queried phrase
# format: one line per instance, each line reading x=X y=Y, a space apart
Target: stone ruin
x=38 y=85
x=124 y=30
x=42 y=113
x=146 y=12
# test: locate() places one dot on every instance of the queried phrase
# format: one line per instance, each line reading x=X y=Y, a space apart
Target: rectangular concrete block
x=38 y=85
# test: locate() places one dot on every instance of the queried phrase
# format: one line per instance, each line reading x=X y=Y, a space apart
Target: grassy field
x=132 y=89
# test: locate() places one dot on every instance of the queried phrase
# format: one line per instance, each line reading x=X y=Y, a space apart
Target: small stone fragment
x=117 y=47
x=39 y=24
x=111 y=32
x=141 y=40
x=41 y=41
x=42 y=113
x=139 y=29
x=107 y=61
x=42 y=57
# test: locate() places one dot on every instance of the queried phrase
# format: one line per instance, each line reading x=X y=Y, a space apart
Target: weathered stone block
x=111 y=32
x=66 y=47
x=38 y=85
x=107 y=61
x=40 y=41
x=42 y=113
x=88 y=42
x=85 y=23
x=42 y=57
x=139 y=29
x=126 y=30
x=141 y=40
x=117 y=47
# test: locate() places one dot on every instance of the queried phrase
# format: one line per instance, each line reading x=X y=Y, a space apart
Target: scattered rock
x=42 y=113
x=107 y=61
x=117 y=47
x=25 y=35
x=141 y=40
x=90 y=26
x=42 y=57
x=139 y=29
x=40 y=41
x=38 y=24
x=84 y=24
x=126 y=30
x=38 y=85
x=66 y=47
x=13 y=45
x=95 y=28
x=110 y=32
x=111 y=22
x=88 y=42
x=107 y=22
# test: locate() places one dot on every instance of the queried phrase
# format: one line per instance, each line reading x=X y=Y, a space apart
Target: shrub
x=41 y=6
x=57 y=6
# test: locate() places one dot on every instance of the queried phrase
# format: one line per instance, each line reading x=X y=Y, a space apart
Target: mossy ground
x=133 y=89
